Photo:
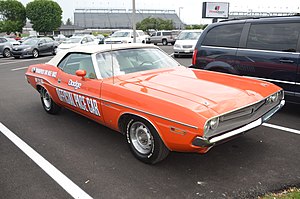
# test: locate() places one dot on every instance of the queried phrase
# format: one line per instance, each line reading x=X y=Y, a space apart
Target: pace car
x=159 y=105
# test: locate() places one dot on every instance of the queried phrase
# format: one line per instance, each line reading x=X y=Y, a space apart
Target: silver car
x=5 y=47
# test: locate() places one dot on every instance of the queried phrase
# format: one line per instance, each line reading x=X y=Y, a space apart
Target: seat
x=87 y=65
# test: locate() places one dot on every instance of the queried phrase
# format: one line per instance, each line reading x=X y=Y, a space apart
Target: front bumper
x=21 y=53
x=210 y=142
x=182 y=51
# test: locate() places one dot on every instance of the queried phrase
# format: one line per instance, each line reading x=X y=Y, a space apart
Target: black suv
x=266 y=48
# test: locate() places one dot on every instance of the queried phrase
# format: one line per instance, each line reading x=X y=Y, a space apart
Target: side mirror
x=81 y=73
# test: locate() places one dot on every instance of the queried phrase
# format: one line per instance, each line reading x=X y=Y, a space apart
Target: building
x=120 y=18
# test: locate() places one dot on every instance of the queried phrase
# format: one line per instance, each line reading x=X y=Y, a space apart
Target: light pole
x=179 y=16
x=133 y=21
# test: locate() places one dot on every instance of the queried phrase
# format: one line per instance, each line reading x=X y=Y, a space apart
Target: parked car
x=160 y=106
x=126 y=36
x=164 y=37
x=100 y=38
x=35 y=47
x=266 y=48
x=74 y=41
x=185 y=42
x=5 y=47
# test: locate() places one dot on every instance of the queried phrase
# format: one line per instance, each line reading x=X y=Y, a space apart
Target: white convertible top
x=91 y=49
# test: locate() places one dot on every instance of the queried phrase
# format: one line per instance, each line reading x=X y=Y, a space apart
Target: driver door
x=80 y=94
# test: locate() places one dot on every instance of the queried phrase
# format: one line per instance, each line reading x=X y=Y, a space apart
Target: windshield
x=133 y=60
x=121 y=34
x=72 y=40
x=189 y=35
x=30 y=42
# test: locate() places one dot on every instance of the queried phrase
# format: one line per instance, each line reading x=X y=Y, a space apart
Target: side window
x=84 y=40
x=42 y=41
x=77 y=61
x=158 y=34
x=2 y=40
x=153 y=34
x=89 y=39
x=166 y=33
x=48 y=40
x=277 y=37
x=224 y=36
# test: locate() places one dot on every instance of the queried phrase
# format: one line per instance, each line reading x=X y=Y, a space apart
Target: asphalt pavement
x=98 y=162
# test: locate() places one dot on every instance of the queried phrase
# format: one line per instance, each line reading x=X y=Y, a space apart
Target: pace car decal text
x=44 y=72
x=75 y=84
x=84 y=103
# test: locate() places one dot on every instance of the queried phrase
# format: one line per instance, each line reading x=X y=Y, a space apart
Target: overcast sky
x=190 y=12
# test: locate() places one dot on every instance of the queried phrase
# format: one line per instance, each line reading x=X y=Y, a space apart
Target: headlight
x=273 y=98
x=177 y=46
x=211 y=125
x=124 y=41
x=214 y=123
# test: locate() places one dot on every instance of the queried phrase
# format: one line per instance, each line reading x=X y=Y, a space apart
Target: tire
x=164 y=42
x=48 y=104
x=6 y=52
x=144 y=141
x=35 y=53
x=176 y=55
x=54 y=51
x=172 y=43
x=17 y=57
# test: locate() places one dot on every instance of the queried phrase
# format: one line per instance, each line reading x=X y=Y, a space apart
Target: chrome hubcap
x=7 y=53
x=141 y=138
x=46 y=99
x=35 y=53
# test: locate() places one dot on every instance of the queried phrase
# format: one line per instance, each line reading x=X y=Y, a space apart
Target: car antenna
x=112 y=63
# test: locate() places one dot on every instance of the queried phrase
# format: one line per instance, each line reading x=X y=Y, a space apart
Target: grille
x=187 y=46
x=243 y=116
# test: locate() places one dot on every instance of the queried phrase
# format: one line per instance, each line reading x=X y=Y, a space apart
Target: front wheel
x=6 y=52
x=48 y=104
x=144 y=141
x=35 y=53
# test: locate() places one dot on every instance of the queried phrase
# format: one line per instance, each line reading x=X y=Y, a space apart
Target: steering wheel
x=147 y=63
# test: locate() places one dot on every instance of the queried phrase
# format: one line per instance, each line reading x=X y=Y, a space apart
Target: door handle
x=288 y=61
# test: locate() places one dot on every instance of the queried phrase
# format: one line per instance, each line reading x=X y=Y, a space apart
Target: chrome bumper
x=209 y=142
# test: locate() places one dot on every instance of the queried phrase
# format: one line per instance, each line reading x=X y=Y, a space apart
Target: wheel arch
x=124 y=118
x=219 y=65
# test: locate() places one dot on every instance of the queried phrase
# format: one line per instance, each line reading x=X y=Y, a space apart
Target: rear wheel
x=35 y=53
x=144 y=141
x=164 y=42
x=6 y=52
x=48 y=104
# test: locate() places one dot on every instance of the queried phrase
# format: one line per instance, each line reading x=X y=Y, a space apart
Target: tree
x=151 y=23
x=196 y=26
x=45 y=15
x=69 y=22
x=13 y=15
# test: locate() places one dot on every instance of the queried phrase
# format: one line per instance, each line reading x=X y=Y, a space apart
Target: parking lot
x=94 y=161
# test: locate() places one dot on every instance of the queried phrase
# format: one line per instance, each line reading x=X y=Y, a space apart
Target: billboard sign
x=215 y=10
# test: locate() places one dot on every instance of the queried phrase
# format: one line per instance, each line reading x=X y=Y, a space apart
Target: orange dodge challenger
x=159 y=105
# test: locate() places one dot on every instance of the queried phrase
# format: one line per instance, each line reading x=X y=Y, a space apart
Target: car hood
x=21 y=47
x=68 y=45
x=197 y=89
x=186 y=42
x=117 y=38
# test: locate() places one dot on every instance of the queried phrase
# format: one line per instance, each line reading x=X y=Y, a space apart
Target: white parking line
x=281 y=128
x=12 y=62
x=21 y=68
x=55 y=174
